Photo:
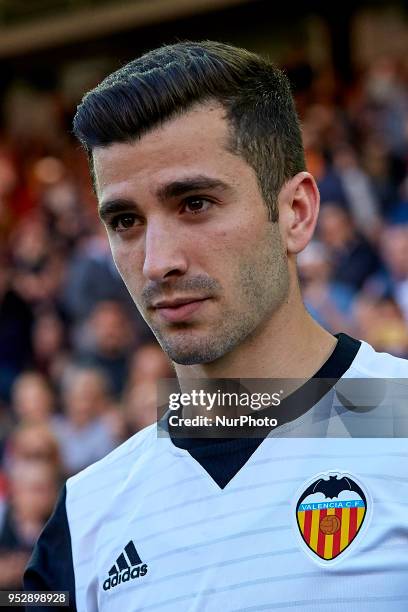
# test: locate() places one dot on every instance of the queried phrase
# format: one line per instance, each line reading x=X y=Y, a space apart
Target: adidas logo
x=127 y=567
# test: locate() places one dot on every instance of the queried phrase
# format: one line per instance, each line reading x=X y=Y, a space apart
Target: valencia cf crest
x=330 y=513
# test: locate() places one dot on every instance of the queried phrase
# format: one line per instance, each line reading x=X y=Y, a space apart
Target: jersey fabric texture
x=291 y=522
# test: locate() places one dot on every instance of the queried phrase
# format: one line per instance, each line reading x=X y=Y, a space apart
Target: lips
x=176 y=311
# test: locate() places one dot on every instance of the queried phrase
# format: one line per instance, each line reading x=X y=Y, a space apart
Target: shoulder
x=114 y=466
x=50 y=567
x=372 y=364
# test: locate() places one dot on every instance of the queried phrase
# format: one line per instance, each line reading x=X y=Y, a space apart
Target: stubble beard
x=263 y=281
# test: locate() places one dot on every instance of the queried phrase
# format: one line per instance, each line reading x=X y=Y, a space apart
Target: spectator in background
x=31 y=245
x=149 y=363
x=39 y=267
x=16 y=320
x=392 y=280
x=93 y=278
x=384 y=108
x=328 y=301
x=364 y=313
x=140 y=404
x=85 y=431
x=28 y=492
x=391 y=332
x=378 y=165
x=317 y=126
x=50 y=347
x=32 y=443
x=110 y=343
x=359 y=193
x=380 y=321
x=33 y=493
x=345 y=181
x=33 y=400
x=352 y=256
x=60 y=200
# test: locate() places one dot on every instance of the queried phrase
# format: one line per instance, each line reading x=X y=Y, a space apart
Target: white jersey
x=306 y=524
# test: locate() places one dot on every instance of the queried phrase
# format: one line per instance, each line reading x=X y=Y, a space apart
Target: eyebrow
x=194 y=183
x=170 y=190
x=112 y=207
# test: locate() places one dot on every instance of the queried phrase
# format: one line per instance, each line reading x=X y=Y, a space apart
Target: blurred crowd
x=78 y=366
x=355 y=272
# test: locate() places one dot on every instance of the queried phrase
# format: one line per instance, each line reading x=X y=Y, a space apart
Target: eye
x=123 y=222
x=196 y=205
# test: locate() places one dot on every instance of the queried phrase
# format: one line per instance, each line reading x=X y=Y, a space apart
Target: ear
x=298 y=202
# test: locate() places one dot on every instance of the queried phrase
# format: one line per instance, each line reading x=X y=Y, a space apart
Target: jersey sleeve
x=50 y=567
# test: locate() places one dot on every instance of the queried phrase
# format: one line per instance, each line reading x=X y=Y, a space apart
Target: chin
x=192 y=357
x=192 y=353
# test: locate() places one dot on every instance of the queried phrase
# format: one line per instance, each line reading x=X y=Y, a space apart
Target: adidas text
x=125 y=576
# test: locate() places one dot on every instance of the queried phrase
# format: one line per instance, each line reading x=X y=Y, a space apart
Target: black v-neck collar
x=222 y=458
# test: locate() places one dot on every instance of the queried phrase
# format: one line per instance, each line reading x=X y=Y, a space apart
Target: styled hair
x=168 y=81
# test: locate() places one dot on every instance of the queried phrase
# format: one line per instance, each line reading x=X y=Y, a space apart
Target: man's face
x=190 y=235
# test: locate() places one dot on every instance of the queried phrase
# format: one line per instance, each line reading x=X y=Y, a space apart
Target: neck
x=290 y=344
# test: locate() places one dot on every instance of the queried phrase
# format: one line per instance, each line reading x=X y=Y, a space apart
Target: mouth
x=178 y=310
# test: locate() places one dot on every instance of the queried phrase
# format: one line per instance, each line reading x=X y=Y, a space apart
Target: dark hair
x=168 y=81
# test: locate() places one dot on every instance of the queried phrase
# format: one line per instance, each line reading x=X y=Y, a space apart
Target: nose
x=164 y=256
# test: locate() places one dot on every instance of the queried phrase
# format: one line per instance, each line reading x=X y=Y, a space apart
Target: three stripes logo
x=127 y=567
x=330 y=513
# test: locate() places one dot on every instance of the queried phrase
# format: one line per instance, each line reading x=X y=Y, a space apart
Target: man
x=197 y=160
